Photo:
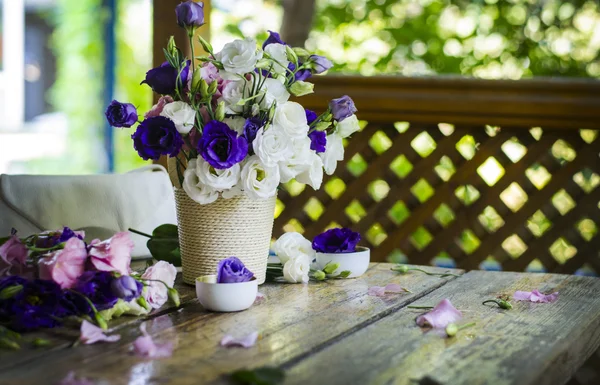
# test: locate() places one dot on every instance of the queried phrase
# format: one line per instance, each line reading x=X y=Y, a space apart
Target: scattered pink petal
x=144 y=346
x=90 y=334
x=244 y=342
x=394 y=288
x=259 y=297
x=440 y=316
x=71 y=380
x=379 y=291
x=535 y=296
x=376 y=291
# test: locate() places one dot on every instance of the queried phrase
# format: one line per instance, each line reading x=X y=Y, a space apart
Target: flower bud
x=504 y=304
x=255 y=109
x=263 y=64
x=319 y=275
x=322 y=126
x=220 y=112
x=212 y=87
x=196 y=78
x=9 y=344
x=205 y=45
x=171 y=47
x=330 y=268
x=204 y=89
x=451 y=330
x=400 y=269
x=142 y=302
x=291 y=55
x=301 y=52
x=301 y=88
x=345 y=274
x=272 y=111
x=326 y=117
x=174 y=296
x=10 y=291
x=41 y=342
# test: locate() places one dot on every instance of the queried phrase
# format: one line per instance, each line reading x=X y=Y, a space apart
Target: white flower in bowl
x=292 y=244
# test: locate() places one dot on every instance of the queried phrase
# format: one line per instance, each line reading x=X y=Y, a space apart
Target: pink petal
x=521 y=295
x=70 y=379
x=394 y=288
x=440 y=316
x=90 y=334
x=144 y=346
x=259 y=297
x=535 y=296
x=376 y=291
x=244 y=342
x=113 y=254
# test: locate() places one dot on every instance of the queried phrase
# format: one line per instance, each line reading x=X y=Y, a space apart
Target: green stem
x=139 y=233
x=461 y=327
x=191 y=38
x=420 y=307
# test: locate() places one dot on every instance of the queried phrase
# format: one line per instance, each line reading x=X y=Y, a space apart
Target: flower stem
x=419 y=307
x=461 y=327
x=139 y=233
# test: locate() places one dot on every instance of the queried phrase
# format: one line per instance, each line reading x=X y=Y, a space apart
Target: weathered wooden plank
x=293 y=321
x=531 y=344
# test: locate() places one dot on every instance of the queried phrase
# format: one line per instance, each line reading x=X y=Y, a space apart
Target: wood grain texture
x=531 y=344
x=294 y=322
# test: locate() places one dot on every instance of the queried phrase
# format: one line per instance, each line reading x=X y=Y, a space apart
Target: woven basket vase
x=239 y=227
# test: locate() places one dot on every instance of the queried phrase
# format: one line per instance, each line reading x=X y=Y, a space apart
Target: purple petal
x=535 y=296
x=244 y=342
x=376 y=291
x=144 y=346
x=90 y=334
x=440 y=316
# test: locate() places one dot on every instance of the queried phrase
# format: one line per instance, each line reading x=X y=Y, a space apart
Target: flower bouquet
x=232 y=136
x=49 y=279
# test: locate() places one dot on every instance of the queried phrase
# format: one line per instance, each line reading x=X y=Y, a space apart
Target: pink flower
x=158 y=107
x=13 y=254
x=535 y=296
x=209 y=72
x=244 y=342
x=156 y=293
x=90 y=334
x=64 y=266
x=144 y=346
x=380 y=291
x=441 y=315
x=114 y=254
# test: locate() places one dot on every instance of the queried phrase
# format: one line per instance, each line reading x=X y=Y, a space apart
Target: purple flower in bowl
x=232 y=270
x=121 y=114
x=221 y=146
x=337 y=240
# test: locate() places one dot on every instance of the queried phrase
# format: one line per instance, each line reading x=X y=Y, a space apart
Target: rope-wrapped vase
x=239 y=227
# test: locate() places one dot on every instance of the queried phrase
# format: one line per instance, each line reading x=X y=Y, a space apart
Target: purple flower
x=163 y=79
x=302 y=75
x=97 y=286
x=50 y=239
x=311 y=116
x=318 y=141
x=251 y=126
x=338 y=240
x=232 y=270
x=121 y=114
x=126 y=288
x=341 y=108
x=320 y=64
x=157 y=136
x=273 y=38
x=220 y=146
x=190 y=14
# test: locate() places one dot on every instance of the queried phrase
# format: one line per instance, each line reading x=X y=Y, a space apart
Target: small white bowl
x=225 y=297
x=357 y=263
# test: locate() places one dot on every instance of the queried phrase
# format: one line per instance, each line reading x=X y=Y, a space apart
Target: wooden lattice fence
x=418 y=189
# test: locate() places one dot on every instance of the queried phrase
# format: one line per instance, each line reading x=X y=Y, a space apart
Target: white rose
x=299 y=162
x=196 y=190
x=217 y=179
x=278 y=53
x=275 y=92
x=182 y=114
x=334 y=152
x=296 y=269
x=291 y=117
x=238 y=57
x=348 y=126
x=232 y=93
x=258 y=180
x=313 y=176
x=292 y=244
x=272 y=145
x=236 y=123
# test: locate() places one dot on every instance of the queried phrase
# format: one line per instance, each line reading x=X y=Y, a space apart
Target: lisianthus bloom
x=311 y=116
x=318 y=141
x=320 y=64
x=163 y=79
x=49 y=239
x=232 y=270
x=97 y=286
x=190 y=14
x=121 y=114
x=113 y=254
x=13 y=256
x=440 y=316
x=292 y=244
x=65 y=265
x=157 y=136
x=274 y=37
x=156 y=294
x=337 y=240
x=126 y=288
x=302 y=74
x=158 y=107
x=221 y=146
x=251 y=127
x=296 y=269
x=342 y=108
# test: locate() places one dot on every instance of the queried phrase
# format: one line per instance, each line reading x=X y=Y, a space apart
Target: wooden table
x=334 y=333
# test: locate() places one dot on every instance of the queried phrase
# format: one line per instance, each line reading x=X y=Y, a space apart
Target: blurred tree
x=297 y=20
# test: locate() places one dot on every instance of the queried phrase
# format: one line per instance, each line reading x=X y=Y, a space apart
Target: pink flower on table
x=65 y=265
x=13 y=256
x=156 y=293
x=244 y=342
x=144 y=346
x=440 y=316
x=535 y=296
x=114 y=254
x=90 y=334
x=380 y=291
x=158 y=107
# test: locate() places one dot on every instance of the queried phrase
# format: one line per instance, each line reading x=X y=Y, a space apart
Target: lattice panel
x=510 y=197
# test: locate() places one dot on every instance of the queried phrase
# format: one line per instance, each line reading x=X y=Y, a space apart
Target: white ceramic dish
x=357 y=263
x=225 y=297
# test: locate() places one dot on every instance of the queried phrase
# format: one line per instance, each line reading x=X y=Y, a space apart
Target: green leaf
x=259 y=376
x=165 y=231
x=163 y=249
